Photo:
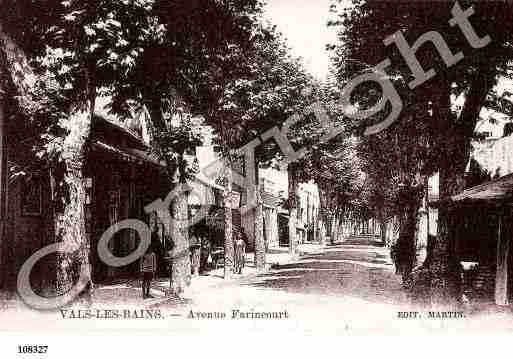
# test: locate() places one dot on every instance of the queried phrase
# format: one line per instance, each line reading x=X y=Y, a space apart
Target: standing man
x=148 y=268
x=240 y=253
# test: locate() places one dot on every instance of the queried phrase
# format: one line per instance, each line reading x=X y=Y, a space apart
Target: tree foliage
x=432 y=134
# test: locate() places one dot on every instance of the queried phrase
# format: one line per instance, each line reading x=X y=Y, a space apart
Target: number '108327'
x=32 y=349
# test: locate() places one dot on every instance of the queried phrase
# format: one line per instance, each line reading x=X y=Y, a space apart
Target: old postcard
x=324 y=167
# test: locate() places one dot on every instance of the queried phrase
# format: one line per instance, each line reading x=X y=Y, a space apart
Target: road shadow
x=362 y=274
x=360 y=256
x=360 y=242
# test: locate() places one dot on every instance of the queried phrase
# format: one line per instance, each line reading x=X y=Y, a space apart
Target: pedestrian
x=158 y=249
x=148 y=268
x=240 y=253
x=195 y=247
x=394 y=255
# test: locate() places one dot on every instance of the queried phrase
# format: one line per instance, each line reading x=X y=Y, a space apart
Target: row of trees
x=219 y=60
x=174 y=60
x=432 y=134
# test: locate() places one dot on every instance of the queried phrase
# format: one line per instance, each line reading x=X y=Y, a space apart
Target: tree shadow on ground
x=362 y=242
x=277 y=250
x=360 y=256
x=365 y=275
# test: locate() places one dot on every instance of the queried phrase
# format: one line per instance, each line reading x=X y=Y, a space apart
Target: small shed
x=481 y=219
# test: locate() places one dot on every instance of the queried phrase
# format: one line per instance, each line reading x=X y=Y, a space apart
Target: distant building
x=308 y=212
x=273 y=187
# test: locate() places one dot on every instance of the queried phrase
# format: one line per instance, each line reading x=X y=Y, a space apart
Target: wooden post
x=293 y=209
x=315 y=224
x=501 y=280
x=260 y=249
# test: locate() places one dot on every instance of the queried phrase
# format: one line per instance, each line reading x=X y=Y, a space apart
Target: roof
x=100 y=119
x=137 y=155
x=106 y=135
x=202 y=178
x=496 y=190
x=129 y=154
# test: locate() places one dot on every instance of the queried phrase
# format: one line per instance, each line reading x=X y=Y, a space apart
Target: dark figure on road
x=148 y=268
x=240 y=253
x=403 y=255
x=395 y=257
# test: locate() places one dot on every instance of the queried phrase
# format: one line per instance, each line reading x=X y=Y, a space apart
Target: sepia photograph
x=310 y=167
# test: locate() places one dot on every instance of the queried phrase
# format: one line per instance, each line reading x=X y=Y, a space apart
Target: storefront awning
x=497 y=190
x=128 y=154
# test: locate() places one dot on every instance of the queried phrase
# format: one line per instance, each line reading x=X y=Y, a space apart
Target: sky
x=303 y=23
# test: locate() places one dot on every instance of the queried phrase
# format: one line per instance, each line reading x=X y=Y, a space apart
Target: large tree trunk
x=323 y=230
x=322 y=216
x=259 y=235
x=315 y=219
x=8 y=53
x=332 y=227
x=71 y=224
x=181 y=263
x=339 y=224
x=406 y=242
x=229 y=255
x=228 y=230
x=325 y=213
x=328 y=221
x=292 y=172
x=382 y=226
x=180 y=266
x=321 y=227
x=383 y=231
x=458 y=136
x=71 y=227
x=443 y=281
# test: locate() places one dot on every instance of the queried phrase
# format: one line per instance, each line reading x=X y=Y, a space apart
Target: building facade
x=121 y=178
